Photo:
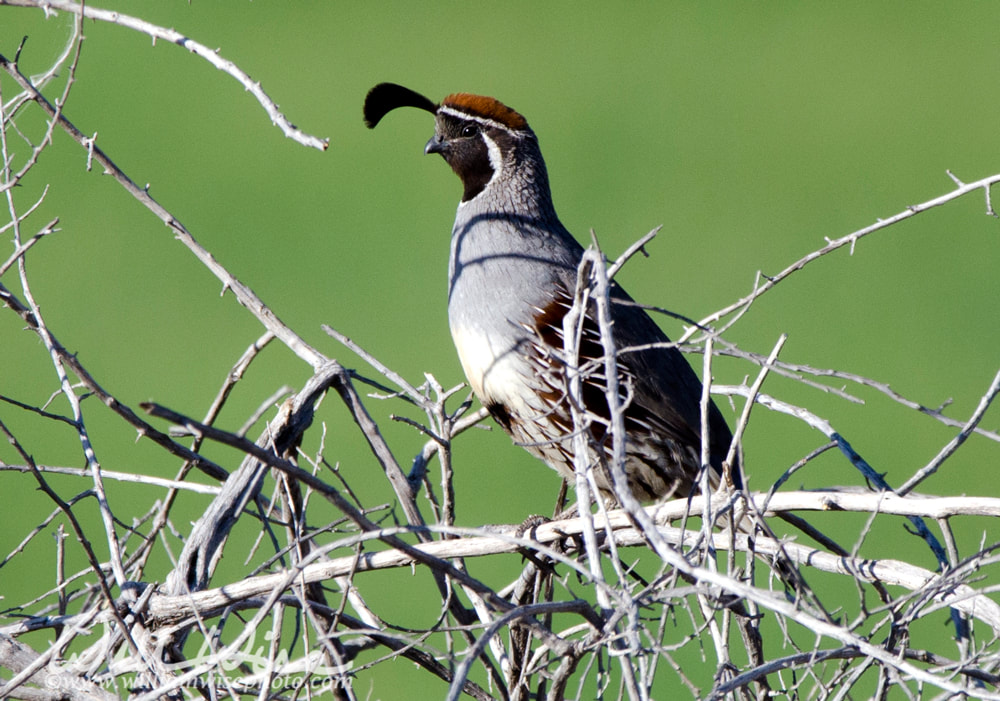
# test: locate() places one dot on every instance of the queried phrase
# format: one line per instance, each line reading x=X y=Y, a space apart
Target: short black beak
x=435 y=145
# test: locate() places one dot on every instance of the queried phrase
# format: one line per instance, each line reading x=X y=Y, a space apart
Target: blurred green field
x=749 y=131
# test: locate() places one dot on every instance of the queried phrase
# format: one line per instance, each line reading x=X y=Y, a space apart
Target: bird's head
x=478 y=136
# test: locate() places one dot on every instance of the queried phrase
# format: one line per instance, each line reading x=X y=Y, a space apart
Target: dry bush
x=606 y=603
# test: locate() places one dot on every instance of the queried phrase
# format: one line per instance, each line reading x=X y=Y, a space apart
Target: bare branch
x=607 y=603
x=174 y=37
x=958 y=440
x=244 y=294
x=850 y=240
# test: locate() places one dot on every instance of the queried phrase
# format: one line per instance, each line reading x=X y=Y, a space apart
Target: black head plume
x=385 y=97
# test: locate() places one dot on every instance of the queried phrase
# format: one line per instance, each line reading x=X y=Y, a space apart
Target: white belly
x=502 y=375
x=496 y=374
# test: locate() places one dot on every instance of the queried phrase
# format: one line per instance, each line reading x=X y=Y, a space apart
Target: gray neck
x=509 y=251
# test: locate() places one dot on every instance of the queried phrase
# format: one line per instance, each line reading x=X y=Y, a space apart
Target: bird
x=512 y=278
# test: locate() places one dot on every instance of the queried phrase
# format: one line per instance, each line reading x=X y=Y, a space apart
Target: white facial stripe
x=496 y=158
x=475 y=118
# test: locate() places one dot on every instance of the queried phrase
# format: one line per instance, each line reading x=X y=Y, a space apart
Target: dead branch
x=611 y=600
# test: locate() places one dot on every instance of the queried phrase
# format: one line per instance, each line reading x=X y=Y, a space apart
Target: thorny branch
x=606 y=599
x=253 y=87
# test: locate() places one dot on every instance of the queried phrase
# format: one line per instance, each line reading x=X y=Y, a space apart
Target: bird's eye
x=470 y=129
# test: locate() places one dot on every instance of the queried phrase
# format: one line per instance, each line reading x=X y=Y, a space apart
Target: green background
x=749 y=131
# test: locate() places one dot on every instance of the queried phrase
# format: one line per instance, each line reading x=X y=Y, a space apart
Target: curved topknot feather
x=486 y=107
x=385 y=97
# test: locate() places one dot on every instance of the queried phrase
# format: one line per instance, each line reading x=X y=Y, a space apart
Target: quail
x=512 y=277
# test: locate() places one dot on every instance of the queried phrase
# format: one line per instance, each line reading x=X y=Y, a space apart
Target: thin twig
x=174 y=37
x=953 y=445
x=850 y=240
x=244 y=294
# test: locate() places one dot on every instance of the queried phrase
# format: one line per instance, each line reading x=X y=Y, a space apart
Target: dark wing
x=661 y=392
x=667 y=392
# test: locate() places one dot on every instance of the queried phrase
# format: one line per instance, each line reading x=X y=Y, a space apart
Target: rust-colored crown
x=487 y=108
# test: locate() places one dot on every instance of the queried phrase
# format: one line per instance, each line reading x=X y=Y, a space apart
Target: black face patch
x=463 y=147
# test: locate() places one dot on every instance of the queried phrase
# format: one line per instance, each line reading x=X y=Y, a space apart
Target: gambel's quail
x=511 y=280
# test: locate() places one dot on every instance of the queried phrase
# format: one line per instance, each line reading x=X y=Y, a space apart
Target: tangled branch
x=609 y=601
